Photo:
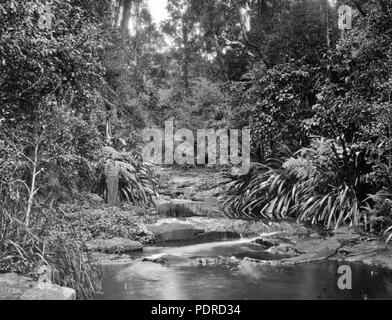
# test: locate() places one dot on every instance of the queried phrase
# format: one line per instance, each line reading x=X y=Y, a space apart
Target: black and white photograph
x=174 y=151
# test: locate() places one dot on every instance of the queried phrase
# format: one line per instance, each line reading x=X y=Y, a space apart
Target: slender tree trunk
x=33 y=190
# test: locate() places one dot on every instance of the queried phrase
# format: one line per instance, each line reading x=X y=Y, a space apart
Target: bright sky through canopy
x=158 y=10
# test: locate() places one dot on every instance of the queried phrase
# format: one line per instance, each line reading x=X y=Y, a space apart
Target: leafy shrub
x=378 y=214
x=326 y=183
x=23 y=250
x=138 y=182
x=108 y=222
x=252 y=195
x=24 y=247
x=20 y=248
x=73 y=268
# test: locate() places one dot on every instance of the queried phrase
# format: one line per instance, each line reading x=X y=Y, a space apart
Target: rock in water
x=174 y=231
x=169 y=260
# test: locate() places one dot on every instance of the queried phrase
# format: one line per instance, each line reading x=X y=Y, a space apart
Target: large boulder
x=314 y=250
x=115 y=245
x=14 y=287
x=376 y=259
x=284 y=249
x=272 y=241
x=174 y=231
x=48 y=291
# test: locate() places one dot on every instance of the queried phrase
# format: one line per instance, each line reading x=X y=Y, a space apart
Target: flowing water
x=219 y=271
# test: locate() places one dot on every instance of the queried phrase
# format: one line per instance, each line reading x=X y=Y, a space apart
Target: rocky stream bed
x=190 y=239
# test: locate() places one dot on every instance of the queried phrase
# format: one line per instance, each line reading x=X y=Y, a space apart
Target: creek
x=220 y=270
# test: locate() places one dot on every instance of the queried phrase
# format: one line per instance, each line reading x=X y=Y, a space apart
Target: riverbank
x=188 y=213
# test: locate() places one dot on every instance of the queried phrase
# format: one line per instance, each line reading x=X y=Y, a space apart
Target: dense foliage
x=77 y=76
x=342 y=93
x=56 y=96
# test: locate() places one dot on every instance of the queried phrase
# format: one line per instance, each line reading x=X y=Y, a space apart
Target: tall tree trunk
x=126 y=16
x=117 y=12
x=136 y=44
x=324 y=16
x=186 y=58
